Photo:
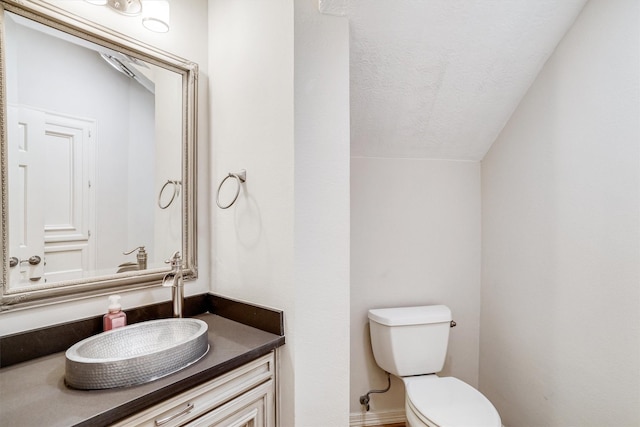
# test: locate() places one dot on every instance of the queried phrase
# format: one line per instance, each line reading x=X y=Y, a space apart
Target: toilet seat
x=449 y=402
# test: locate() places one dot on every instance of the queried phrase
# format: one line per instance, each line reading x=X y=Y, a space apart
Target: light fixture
x=155 y=13
x=126 y=7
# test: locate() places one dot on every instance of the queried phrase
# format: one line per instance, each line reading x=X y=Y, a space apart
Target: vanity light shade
x=155 y=15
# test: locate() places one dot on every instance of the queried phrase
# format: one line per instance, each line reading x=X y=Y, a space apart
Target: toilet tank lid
x=404 y=316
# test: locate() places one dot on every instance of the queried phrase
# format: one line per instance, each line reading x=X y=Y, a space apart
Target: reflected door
x=53 y=192
x=26 y=160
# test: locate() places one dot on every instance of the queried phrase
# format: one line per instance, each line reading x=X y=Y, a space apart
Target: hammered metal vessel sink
x=135 y=354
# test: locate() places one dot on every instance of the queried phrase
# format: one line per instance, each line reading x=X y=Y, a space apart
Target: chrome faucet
x=141 y=257
x=176 y=282
x=141 y=264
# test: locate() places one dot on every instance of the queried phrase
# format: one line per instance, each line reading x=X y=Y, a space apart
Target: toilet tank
x=410 y=340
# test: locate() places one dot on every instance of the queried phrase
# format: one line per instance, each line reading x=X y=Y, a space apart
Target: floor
x=392 y=425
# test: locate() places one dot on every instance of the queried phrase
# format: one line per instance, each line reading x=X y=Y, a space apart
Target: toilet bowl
x=411 y=343
x=446 y=402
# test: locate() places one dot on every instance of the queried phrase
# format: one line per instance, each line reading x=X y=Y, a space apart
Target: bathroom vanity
x=242 y=397
x=233 y=384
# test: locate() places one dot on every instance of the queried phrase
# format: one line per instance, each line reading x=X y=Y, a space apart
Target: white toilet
x=411 y=343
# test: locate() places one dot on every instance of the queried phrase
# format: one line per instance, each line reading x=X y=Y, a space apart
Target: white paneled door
x=51 y=174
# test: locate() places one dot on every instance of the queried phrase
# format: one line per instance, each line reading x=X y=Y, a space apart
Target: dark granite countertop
x=33 y=393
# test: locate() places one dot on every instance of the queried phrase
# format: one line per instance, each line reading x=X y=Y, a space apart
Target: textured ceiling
x=440 y=78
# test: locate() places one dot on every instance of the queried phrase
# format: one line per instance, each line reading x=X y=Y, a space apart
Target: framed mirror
x=98 y=142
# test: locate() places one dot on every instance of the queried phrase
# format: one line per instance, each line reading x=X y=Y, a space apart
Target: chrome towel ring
x=176 y=191
x=240 y=178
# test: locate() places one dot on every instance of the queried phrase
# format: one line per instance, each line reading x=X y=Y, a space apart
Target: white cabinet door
x=252 y=409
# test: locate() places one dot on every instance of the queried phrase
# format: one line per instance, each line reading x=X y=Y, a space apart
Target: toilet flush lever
x=453 y=324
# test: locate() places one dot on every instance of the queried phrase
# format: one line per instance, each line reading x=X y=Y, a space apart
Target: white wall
x=251 y=98
x=141 y=174
x=188 y=17
x=415 y=240
x=168 y=224
x=285 y=242
x=321 y=217
x=560 y=336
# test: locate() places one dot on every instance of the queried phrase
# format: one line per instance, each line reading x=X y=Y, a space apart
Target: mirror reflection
x=94 y=146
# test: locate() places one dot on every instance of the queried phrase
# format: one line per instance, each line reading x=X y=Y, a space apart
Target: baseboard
x=365 y=419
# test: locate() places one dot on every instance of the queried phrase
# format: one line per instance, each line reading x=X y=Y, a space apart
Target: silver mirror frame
x=50 y=15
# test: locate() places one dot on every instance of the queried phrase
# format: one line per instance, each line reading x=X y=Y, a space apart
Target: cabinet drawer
x=191 y=404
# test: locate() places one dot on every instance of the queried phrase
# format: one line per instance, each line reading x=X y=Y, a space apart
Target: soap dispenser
x=115 y=318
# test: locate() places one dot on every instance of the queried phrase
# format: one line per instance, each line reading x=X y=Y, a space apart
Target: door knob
x=33 y=260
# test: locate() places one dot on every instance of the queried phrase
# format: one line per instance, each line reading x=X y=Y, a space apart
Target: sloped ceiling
x=440 y=78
